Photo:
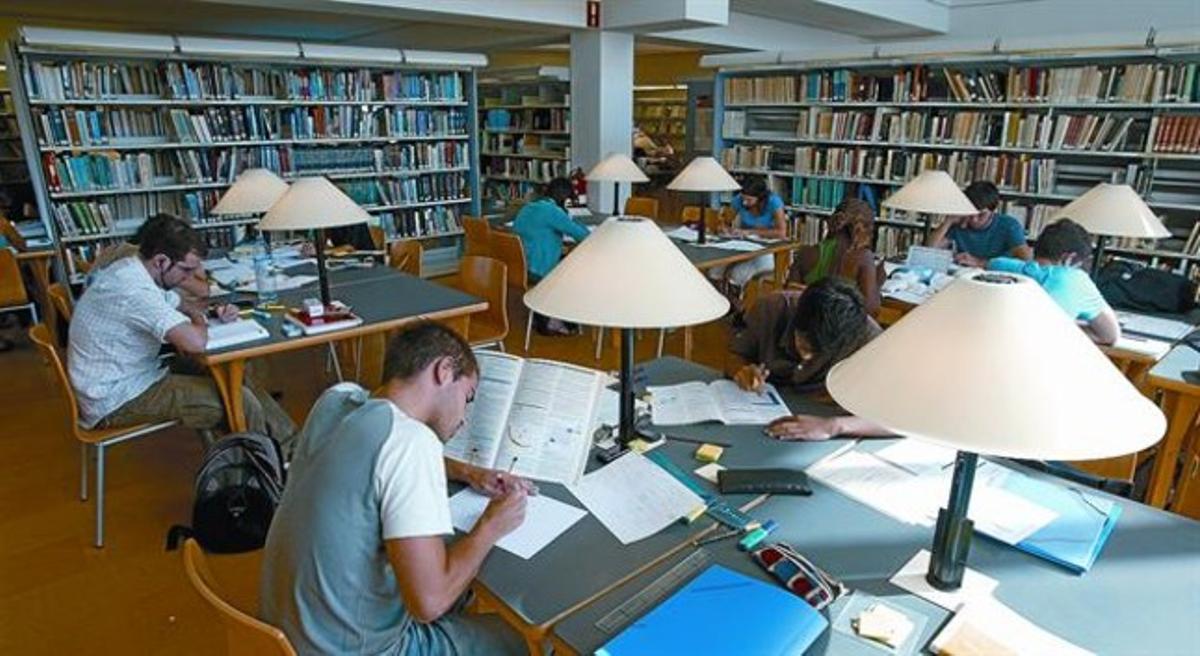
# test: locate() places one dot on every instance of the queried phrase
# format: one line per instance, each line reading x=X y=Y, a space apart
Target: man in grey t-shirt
x=356 y=560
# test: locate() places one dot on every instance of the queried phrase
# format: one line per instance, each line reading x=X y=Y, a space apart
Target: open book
x=223 y=335
x=533 y=417
x=720 y=400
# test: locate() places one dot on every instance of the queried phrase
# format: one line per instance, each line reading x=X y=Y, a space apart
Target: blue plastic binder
x=722 y=612
x=1074 y=539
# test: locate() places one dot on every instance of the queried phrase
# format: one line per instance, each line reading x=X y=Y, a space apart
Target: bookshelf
x=662 y=112
x=1044 y=127
x=119 y=135
x=525 y=117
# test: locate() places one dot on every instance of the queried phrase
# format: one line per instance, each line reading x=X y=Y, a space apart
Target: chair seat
x=101 y=435
x=483 y=331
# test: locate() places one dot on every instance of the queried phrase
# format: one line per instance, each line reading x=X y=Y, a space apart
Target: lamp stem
x=627 y=418
x=952 y=537
x=322 y=274
x=616 y=198
x=1098 y=255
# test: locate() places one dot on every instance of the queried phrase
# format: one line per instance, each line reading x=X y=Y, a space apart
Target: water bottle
x=264 y=277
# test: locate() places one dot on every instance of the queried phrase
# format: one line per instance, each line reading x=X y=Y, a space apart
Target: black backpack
x=1135 y=286
x=237 y=489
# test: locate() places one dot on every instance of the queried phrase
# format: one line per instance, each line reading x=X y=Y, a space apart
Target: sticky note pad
x=709 y=453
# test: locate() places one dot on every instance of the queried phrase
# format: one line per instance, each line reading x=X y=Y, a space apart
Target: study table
x=385 y=299
x=1141 y=596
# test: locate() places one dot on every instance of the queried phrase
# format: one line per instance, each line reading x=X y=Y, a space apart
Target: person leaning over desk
x=844 y=253
x=794 y=338
x=977 y=238
x=356 y=559
x=541 y=224
x=759 y=213
x=123 y=318
x=1062 y=248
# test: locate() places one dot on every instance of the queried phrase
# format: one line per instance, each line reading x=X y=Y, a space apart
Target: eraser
x=709 y=472
x=696 y=513
x=709 y=453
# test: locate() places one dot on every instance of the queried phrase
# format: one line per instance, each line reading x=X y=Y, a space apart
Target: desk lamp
x=254 y=192
x=991 y=365
x=1112 y=210
x=627 y=274
x=931 y=192
x=616 y=168
x=703 y=174
x=314 y=204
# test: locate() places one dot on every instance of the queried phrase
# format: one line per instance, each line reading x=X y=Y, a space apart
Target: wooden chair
x=508 y=248
x=10 y=232
x=13 y=297
x=642 y=206
x=478 y=233
x=406 y=256
x=486 y=278
x=98 y=438
x=60 y=303
x=245 y=634
x=378 y=237
x=691 y=214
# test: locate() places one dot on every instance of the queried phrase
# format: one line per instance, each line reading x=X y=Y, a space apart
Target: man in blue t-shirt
x=1061 y=248
x=977 y=238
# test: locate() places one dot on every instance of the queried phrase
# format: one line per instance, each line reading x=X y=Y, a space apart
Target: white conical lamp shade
x=932 y=192
x=993 y=366
x=616 y=167
x=1115 y=210
x=313 y=203
x=254 y=192
x=627 y=274
x=704 y=174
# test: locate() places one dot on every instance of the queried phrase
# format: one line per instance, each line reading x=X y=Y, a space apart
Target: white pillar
x=601 y=105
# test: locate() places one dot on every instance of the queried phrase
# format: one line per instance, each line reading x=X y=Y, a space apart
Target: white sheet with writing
x=634 y=498
x=720 y=400
x=545 y=520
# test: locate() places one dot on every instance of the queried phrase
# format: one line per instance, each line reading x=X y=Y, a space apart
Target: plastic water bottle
x=264 y=277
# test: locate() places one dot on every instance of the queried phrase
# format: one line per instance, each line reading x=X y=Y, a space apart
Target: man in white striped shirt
x=123 y=319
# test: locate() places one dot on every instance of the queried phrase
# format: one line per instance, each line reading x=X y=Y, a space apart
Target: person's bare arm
x=491 y=482
x=937 y=239
x=813 y=428
x=1105 y=328
x=1022 y=252
x=190 y=337
x=433 y=576
x=868 y=282
x=778 y=229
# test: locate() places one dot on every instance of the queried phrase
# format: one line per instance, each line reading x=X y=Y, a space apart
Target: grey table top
x=1175 y=363
x=1141 y=597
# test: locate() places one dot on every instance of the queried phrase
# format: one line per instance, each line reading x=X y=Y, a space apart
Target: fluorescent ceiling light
x=439 y=58
x=195 y=45
x=55 y=38
x=334 y=53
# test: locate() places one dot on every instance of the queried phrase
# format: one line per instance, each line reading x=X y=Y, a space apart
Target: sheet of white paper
x=1007 y=628
x=222 y=335
x=924 y=257
x=684 y=233
x=875 y=483
x=1144 y=345
x=735 y=245
x=682 y=404
x=911 y=577
x=579 y=211
x=545 y=520
x=634 y=498
x=282 y=282
x=918 y=456
x=739 y=407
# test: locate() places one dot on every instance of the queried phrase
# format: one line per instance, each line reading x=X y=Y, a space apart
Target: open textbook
x=720 y=400
x=533 y=417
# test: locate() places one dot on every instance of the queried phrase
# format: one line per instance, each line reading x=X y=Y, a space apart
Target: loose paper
x=987 y=626
x=634 y=498
x=911 y=577
x=545 y=520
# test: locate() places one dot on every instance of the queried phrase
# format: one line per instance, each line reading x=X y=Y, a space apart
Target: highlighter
x=757 y=535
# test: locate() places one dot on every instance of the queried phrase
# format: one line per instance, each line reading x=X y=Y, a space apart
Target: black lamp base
x=952 y=537
x=626 y=429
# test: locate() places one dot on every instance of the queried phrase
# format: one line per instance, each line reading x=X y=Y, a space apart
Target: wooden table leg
x=1181 y=410
x=534 y=636
x=688 y=341
x=229 y=377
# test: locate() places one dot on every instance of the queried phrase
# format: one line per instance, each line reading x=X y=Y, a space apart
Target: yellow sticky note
x=695 y=514
x=709 y=453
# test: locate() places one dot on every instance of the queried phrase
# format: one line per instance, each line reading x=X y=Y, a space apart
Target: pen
x=717 y=538
x=513 y=465
x=693 y=440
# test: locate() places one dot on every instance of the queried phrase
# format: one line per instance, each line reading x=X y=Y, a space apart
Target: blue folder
x=1074 y=539
x=722 y=612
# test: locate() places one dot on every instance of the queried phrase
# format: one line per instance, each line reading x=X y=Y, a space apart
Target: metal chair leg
x=99 y=496
x=662 y=340
x=83 y=467
x=599 y=341
x=528 y=330
x=337 y=366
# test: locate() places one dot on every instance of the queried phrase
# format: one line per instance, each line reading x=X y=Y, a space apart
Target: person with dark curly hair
x=844 y=253
x=977 y=238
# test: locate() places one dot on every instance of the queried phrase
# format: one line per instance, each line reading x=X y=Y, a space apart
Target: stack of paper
x=634 y=498
x=545 y=520
x=734 y=245
x=684 y=233
x=223 y=335
x=986 y=626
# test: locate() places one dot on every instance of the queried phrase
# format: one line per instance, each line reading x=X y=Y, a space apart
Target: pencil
x=694 y=440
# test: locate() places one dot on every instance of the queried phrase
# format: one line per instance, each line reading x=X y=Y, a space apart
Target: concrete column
x=601 y=105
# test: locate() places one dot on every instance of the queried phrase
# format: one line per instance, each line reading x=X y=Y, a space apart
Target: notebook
x=722 y=612
x=224 y=335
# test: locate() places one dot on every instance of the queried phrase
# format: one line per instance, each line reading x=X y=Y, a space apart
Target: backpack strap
x=177 y=534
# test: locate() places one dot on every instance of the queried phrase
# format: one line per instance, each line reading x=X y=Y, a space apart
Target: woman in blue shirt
x=759 y=213
x=541 y=224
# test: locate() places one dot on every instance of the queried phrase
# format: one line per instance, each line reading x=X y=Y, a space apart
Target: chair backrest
x=487 y=278
x=641 y=206
x=10 y=232
x=690 y=214
x=508 y=248
x=12 y=285
x=714 y=221
x=243 y=633
x=40 y=335
x=478 y=235
x=406 y=256
x=378 y=237
x=60 y=298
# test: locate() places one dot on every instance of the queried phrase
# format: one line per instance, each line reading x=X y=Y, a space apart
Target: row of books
x=558 y=120
x=401 y=191
x=537 y=170
x=1175 y=134
x=747 y=157
x=1023 y=173
x=1128 y=83
x=807 y=229
x=214 y=124
x=527 y=144
x=102 y=217
x=817 y=192
x=76 y=127
x=1033 y=216
x=420 y=222
x=504 y=192
x=894 y=241
x=90 y=80
x=392 y=157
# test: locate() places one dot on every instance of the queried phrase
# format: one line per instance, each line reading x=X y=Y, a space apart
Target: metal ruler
x=658 y=590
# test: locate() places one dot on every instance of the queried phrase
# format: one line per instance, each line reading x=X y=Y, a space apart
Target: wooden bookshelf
x=122 y=135
x=662 y=114
x=1043 y=127
x=525 y=119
